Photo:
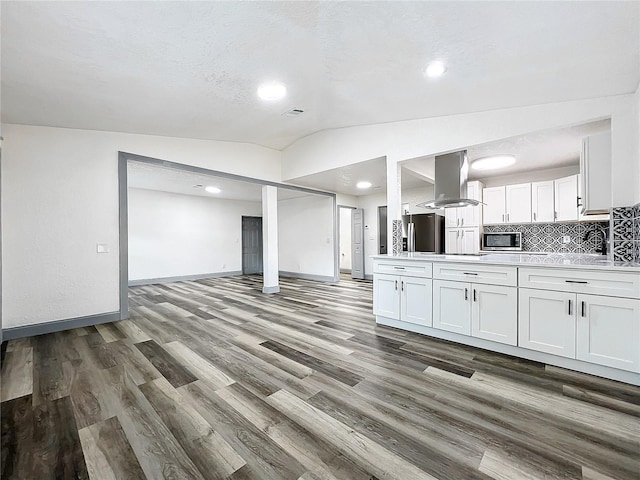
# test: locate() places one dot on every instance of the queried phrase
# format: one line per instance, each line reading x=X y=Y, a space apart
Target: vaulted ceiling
x=191 y=69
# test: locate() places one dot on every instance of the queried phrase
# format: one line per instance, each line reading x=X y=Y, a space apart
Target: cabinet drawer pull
x=469 y=273
x=399 y=268
x=570 y=307
x=466 y=294
x=583 y=282
x=584 y=309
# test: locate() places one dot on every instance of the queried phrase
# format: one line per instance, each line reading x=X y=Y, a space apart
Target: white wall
x=415 y=138
x=305 y=235
x=345 y=238
x=370 y=204
x=173 y=235
x=60 y=198
x=411 y=197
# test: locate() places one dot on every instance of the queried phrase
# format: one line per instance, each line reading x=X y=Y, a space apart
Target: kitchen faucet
x=601 y=231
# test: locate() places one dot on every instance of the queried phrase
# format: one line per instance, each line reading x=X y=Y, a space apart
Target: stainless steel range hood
x=451 y=182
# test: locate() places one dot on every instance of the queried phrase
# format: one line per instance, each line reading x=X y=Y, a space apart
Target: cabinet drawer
x=409 y=269
x=488 y=274
x=612 y=284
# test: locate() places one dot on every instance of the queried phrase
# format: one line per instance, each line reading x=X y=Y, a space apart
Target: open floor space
x=212 y=379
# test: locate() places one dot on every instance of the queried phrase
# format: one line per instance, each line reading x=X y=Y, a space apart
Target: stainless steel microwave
x=502 y=241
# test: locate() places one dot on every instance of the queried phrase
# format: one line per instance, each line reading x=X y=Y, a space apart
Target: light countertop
x=562 y=260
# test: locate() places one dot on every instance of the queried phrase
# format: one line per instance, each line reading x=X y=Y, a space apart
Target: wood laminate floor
x=211 y=379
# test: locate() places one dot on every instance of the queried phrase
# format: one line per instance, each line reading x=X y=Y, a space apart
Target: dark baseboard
x=21 y=331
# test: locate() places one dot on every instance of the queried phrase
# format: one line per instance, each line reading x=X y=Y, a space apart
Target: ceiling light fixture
x=272 y=92
x=213 y=189
x=435 y=69
x=363 y=185
x=494 y=162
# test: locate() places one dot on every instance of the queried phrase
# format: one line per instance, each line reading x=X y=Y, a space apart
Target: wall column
x=394 y=207
x=270 y=239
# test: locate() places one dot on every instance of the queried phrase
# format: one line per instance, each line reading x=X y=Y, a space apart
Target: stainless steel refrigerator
x=423 y=232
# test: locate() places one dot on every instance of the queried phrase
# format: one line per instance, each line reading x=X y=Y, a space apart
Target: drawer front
x=612 y=284
x=409 y=269
x=487 y=274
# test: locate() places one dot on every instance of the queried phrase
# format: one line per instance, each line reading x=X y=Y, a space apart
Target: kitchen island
x=580 y=312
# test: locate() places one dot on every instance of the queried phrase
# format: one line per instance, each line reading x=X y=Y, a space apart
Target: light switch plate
x=566 y=239
x=102 y=248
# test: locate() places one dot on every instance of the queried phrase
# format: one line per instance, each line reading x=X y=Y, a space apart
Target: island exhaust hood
x=451 y=182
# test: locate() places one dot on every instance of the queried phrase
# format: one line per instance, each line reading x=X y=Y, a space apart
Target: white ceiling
x=534 y=151
x=344 y=179
x=191 y=69
x=151 y=177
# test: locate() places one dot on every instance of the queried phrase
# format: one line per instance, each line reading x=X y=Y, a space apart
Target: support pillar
x=270 y=239
x=394 y=207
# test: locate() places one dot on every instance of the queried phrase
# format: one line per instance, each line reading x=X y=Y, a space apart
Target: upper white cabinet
x=566 y=198
x=542 y=202
x=595 y=178
x=495 y=205
x=510 y=204
x=518 y=203
x=463 y=224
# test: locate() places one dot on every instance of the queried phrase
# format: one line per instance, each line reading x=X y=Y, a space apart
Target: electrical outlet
x=102 y=248
x=566 y=239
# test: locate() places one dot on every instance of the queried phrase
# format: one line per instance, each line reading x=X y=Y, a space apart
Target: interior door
x=357 y=243
x=251 y=245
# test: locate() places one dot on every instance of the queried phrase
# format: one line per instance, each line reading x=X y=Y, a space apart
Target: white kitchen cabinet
x=518 y=203
x=542 y=202
x=451 y=308
x=404 y=298
x=566 y=198
x=547 y=321
x=595 y=174
x=386 y=296
x=451 y=240
x=494 y=208
x=462 y=240
x=584 y=217
x=451 y=219
x=416 y=300
x=483 y=311
x=471 y=216
x=494 y=313
x=608 y=331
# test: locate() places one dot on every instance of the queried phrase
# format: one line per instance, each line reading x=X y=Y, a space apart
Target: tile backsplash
x=547 y=237
x=625 y=238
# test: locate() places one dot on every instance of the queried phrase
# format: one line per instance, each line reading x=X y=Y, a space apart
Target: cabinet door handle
x=534 y=216
x=466 y=294
x=469 y=273
x=578 y=204
x=462 y=222
x=555 y=215
x=503 y=217
x=475 y=296
x=577 y=281
x=584 y=309
x=396 y=284
x=402 y=286
x=570 y=307
x=507 y=217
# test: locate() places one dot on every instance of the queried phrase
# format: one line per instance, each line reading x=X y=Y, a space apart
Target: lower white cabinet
x=547 y=322
x=592 y=328
x=408 y=299
x=483 y=311
x=494 y=313
x=462 y=240
x=451 y=307
x=608 y=331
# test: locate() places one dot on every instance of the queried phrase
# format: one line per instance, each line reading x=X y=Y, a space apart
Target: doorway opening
x=251 y=245
x=350 y=245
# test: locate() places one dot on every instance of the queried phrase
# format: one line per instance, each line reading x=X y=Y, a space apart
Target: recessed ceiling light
x=435 y=69
x=363 y=185
x=272 y=92
x=494 y=162
x=213 y=190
